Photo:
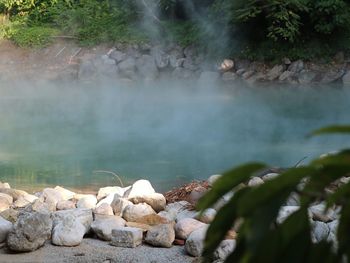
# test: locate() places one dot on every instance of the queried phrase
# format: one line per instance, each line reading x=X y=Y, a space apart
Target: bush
x=260 y=239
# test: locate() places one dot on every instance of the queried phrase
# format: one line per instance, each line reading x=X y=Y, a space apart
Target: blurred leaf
x=331 y=129
x=227 y=182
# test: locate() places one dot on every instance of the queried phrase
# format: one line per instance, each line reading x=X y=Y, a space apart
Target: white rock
x=51 y=197
x=108 y=199
x=156 y=201
x=104 y=209
x=65 y=205
x=226 y=65
x=39 y=206
x=139 y=188
x=320 y=231
x=186 y=226
x=185 y=214
x=84 y=216
x=285 y=212
x=89 y=201
x=161 y=235
x=126 y=237
x=5 y=201
x=29 y=232
x=225 y=248
x=119 y=204
x=5 y=185
x=270 y=176
x=68 y=232
x=5 y=227
x=207 y=216
x=133 y=212
x=103 y=226
x=255 y=181
x=25 y=200
x=319 y=213
x=109 y=190
x=195 y=242
x=65 y=193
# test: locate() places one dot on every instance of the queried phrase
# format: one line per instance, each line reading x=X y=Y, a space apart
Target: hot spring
x=169 y=133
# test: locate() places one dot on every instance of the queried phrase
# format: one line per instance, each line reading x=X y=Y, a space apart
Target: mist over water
x=169 y=133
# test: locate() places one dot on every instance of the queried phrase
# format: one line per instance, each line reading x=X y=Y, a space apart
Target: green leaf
x=331 y=129
x=227 y=182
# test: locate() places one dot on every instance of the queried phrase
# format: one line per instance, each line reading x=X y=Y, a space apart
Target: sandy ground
x=93 y=250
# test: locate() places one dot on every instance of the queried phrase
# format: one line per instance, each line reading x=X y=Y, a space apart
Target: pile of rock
x=125 y=217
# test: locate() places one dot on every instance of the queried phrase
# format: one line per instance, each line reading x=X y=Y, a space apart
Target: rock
x=189 y=64
x=186 y=226
x=286 y=75
x=255 y=181
x=156 y=201
x=5 y=201
x=133 y=212
x=275 y=72
x=5 y=228
x=212 y=179
x=208 y=78
x=160 y=57
x=89 y=201
x=195 y=242
x=10 y=215
x=176 y=57
x=293 y=200
x=247 y=74
x=207 y=216
x=147 y=68
x=161 y=235
x=30 y=232
x=108 y=199
x=225 y=248
x=25 y=200
x=270 y=176
x=319 y=213
x=51 y=197
x=296 y=66
x=39 y=206
x=287 y=61
x=65 y=193
x=332 y=75
x=197 y=193
x=68 y=231
x=5 y=185
x=84 y=216
x=242 y=64
x=227 y=65
x=185 y=214
x=127 y=68
x=320 y=231
x=285 y=212
x=229 y=77
x=306 y=76
x=13 y=192
x=117 y=56
x=103 y=226
x=107 y=191
x=119 y=204
x=190 y=51
x=139 y=188
x=152 y=220
x=339 y=57
x=231 y=234
x=240 y=72
x=346 y=78
x=104 y=209
x=87 y=70
x=126 y=237
x=182 y=73
x=65 y=205
x=143 y=227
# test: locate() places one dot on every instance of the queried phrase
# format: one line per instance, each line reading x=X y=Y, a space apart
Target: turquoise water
x=167 y=133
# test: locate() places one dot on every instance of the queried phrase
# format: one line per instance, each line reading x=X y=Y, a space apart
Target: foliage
x=182 y=32
x=260 y=239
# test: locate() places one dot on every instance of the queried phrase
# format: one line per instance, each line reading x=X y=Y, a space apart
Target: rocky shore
x=64 y=61
x=126 y=221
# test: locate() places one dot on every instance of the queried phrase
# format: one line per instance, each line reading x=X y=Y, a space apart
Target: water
x=170 y=134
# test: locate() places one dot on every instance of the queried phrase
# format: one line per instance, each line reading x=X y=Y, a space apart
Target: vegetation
x=260 y=239
x=256 y=29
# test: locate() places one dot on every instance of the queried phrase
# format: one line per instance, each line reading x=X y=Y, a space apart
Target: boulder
x=107 y=191
x=156 y=201
x=319 y=213
x=147 y=68
x=182 y=73
x=195 y=242
x=332 y=75
x=13 y=192
x=275 y=72
x=118 y=56
x=108 y=199
x=5 y=228
x=133 y=212
x=152 y=220
x=227 y=65
x=306 y=76
x=68 y=231
x=65 y=193
x=225 y=248
x=25 y=200
x=197 y=193
x=51 y=197
x=270 y=176
x=255 y=181
x=119 y=204
x=126 y=237
x=285 y=212
x=84 y=216
x=103 y=226
x=65 y=205
x=247 y=74
x=207 y=216
x=5 y=201
x=161 y=235
x=176 y=57
x=39 y=206
x=296 y=66
x=10 y=215
x=286 y=75
x=139 y=188
x=174 y=209
x=143 y=227
x=127 y=68
x=104 y=209
x=186 y=226
x=30 y=232
x=89 y=201
x=160 y=57
x=320 y=231
x=186 y=213
x=5 y=185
